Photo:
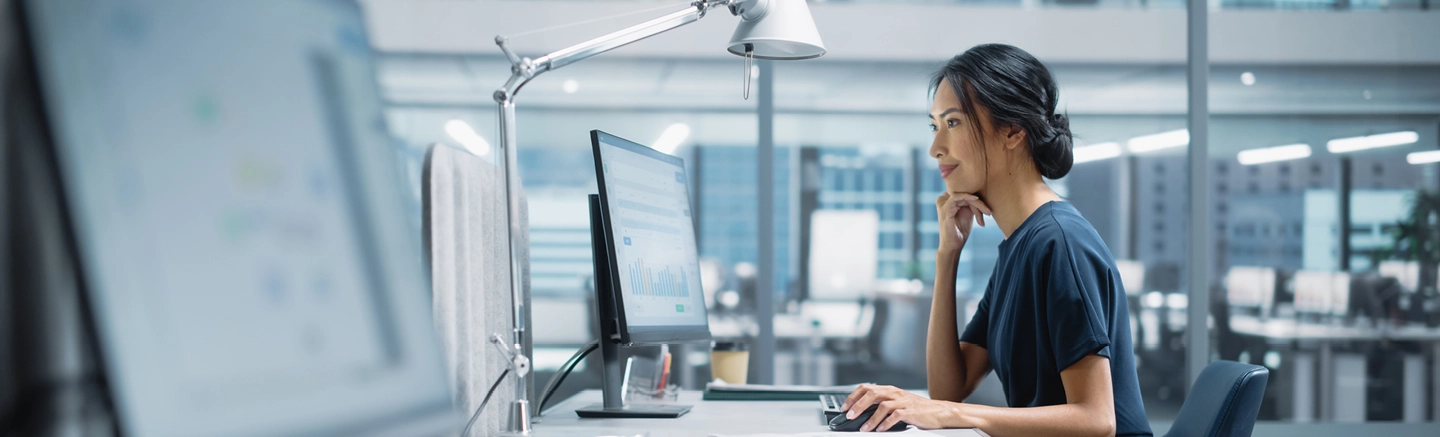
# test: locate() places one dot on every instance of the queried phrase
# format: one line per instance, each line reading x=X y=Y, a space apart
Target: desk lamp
x=769 y=29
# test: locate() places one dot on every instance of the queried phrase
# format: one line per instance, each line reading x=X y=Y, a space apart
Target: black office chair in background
x=1223 y=402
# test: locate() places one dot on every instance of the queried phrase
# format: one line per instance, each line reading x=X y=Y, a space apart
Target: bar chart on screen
x=669 y=281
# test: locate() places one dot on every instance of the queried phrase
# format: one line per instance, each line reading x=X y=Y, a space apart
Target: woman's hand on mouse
x=896 y=406
x=957 y=212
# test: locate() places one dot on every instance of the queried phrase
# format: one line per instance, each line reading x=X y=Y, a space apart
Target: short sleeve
x=978 y=330
x=1074 y=306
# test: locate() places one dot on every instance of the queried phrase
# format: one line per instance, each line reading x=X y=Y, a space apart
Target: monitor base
x=641 y=411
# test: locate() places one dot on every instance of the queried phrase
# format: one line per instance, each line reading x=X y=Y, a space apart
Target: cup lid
x=730 y=346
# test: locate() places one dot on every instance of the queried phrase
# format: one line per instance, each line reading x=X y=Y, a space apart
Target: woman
x=1053 y=323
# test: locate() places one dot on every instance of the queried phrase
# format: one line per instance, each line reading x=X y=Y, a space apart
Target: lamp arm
x=522 y=70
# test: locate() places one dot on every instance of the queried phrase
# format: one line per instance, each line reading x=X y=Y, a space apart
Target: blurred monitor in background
x=1407 y=272
x=844 y=247
x=1322 y=292
x=1251 y=287
x=242 y=235
x=1132 y=276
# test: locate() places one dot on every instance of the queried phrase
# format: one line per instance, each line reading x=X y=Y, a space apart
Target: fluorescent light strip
x=1423 y=157
x=1274 y=154
x=672 y=137
x=1352 y=144
x=1163 y=140
x=1097 y=152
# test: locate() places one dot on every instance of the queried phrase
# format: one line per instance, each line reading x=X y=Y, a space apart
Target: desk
x=1288 y=331
x=708 y=417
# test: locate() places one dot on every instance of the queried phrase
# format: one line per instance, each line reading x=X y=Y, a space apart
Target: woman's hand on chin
x=896 y=406
x=957 y=213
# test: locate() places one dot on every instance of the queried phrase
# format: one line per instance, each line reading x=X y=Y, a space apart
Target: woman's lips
x=945 y=170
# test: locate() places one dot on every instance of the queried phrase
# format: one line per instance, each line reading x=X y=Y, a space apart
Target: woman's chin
x=959 y=188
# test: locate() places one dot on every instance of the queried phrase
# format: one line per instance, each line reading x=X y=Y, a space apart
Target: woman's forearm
x=1065 y=419
x=944 y=366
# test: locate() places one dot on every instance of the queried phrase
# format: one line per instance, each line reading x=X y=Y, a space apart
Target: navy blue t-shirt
x=1055 y=297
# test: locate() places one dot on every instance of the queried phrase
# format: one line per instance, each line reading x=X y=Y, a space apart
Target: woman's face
x=956 y=147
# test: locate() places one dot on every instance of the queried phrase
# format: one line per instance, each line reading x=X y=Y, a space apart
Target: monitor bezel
x=644 y=335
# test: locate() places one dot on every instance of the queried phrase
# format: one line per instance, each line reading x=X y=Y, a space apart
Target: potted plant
x=1417 y=238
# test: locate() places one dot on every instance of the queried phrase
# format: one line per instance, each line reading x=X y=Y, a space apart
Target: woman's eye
x=933 y=128
x=952 y=122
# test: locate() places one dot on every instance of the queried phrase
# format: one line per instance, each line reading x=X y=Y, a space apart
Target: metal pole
x=765 y=195
x=1129 y=190
x=512 y=218
x=1199 y=273
x=1342 y=222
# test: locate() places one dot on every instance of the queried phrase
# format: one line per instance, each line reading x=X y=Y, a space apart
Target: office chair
x=1223 y=402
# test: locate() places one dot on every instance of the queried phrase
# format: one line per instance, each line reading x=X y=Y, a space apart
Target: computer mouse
x=839 y=423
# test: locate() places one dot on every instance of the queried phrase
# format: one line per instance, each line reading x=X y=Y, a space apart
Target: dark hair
x=1018 y=90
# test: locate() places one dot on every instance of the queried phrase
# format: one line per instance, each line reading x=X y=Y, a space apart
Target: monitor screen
x=647 y=198
x=844 y=248
x=1250 y=286
x=236 y=204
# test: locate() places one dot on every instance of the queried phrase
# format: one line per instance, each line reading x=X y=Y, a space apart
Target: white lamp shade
x=779 y=30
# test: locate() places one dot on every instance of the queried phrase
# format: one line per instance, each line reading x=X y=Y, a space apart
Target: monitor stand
x=614 y=405
x=607 y=315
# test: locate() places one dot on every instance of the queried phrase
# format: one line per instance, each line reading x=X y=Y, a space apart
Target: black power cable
x=466 y=432
x=565 y=369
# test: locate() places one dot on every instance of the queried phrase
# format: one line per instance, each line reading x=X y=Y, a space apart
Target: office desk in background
x=801 y=354
x=1342 y=389
x=827 y=320
x=707 y=418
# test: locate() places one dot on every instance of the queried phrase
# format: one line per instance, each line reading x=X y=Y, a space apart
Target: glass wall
x=1322 y=182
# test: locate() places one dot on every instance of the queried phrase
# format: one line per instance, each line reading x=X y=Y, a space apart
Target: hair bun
x=1056 y=156
x=1060 y=122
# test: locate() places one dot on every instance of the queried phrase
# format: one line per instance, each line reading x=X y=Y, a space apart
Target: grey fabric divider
x=467 y=246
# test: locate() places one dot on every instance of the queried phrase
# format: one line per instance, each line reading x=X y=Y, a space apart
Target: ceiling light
x=570 y=86
x=1247 y=78
x=1163 y=140
x=1352 y=144
x=672 y=137
x=1273 y=154
x=1423 y=157
x=466 y=136
x=1097 y=152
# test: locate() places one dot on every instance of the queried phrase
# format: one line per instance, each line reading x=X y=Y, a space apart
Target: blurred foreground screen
x=239 y=216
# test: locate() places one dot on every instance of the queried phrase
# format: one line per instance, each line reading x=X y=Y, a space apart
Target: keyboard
x=830 y=405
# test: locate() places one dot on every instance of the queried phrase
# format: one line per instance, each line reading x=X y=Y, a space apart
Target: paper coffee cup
x=730 y=361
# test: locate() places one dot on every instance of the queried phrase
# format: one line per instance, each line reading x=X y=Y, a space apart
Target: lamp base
x=519 y=418
x=641 y=411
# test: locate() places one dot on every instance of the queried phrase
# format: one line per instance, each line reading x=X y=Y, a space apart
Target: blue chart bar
x=645 y=282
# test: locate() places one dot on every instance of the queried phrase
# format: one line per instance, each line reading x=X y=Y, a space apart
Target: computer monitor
x=844 y=249
x=1251 y=287
x=647 y=273
x=1322 y=292
x=1407 y=272
x=1132 y=276
x=245 y=246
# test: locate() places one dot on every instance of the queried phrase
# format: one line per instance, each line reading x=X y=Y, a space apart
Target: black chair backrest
x=1223 y=402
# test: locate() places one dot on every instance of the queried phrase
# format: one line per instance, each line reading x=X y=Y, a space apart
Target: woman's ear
x=1013 y=135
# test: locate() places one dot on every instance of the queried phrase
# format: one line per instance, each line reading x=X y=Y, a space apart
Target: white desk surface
x=1291 y=329
x=707 y=418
